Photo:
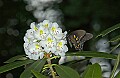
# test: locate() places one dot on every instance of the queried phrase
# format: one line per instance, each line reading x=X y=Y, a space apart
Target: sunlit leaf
x=14 y=65
x=92 y=54
x=14 y=58
x=115 y=66
x=38 y=74
x=37 y=66
x=66 y=72
x=107 y=31
x=118 y=75
x=93 y=71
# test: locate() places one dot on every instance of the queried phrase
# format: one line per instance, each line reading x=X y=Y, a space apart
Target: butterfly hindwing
x=87 y=36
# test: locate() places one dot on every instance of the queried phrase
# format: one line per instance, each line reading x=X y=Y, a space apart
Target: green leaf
x=14 y=58
x=114 y=48
x=38 y=75
x=23 y=58
x=118 y=75
x=37 y=66
x=66 y=72
x=117 y=38
x=115 y=66
x=14 y=65
x=93 y=71
x=92 y=54
x=107 y=31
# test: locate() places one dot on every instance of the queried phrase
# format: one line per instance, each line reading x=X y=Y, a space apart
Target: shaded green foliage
x=92 y=54
x=115 y=66
x=66 y=72
x=37 y=66
x=118 y=75
x=93 y=71
x=14 y=58
x=14 y=65
x=109 y=30
x=38 y=75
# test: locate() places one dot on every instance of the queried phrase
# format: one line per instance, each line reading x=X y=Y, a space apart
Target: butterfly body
x=78 y=37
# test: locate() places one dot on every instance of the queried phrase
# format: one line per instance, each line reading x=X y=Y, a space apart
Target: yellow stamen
x=41 y=32
x=35 y=28
x=37 y=46
x=53 y=28
x=60 y=44
x=46 y=25
x=49 y=40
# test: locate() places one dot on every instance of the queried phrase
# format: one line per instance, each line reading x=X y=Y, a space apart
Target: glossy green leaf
x=118 y=75
x=93 y=71
x=66 y=72
x=107 y=31
x=37 y=66
x=92 y=54
x=38 y=75
x=14 y=58
x=115 y=66
x=14 y=65
x=117 y=38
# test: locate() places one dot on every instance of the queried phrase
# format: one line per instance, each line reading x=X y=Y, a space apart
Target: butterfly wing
x=75 y=37
x=87 y=36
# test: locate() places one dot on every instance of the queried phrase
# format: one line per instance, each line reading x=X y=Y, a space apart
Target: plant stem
x=51 y=68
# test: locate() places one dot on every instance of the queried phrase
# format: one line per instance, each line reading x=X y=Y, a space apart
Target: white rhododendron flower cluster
x=45 y=38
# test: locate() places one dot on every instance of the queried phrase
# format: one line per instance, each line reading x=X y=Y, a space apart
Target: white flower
x=54 y=30
x=45 y=38
x=33 y=26
x=35 y=50
x=33 y=56
x=35 y=47
x=47 y=24
x=41 y=33
x=29 y=34
x=61 y=48
x=57 y=32
x=26 y=48
x=26 y=39
x=49 y=44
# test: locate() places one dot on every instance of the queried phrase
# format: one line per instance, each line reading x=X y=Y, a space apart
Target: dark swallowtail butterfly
x=78 y=37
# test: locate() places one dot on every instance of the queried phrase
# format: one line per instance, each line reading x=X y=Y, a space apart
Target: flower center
x=35 y=28
x=41 y=32
x=53 y=28
x=46 y=25
x=60 y=44
x=49 y=40
x=37 y=46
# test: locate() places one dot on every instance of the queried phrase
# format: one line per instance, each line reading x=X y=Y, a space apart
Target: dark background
x=93 y=16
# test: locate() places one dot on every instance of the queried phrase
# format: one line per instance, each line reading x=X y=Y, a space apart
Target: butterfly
x=77 y=38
